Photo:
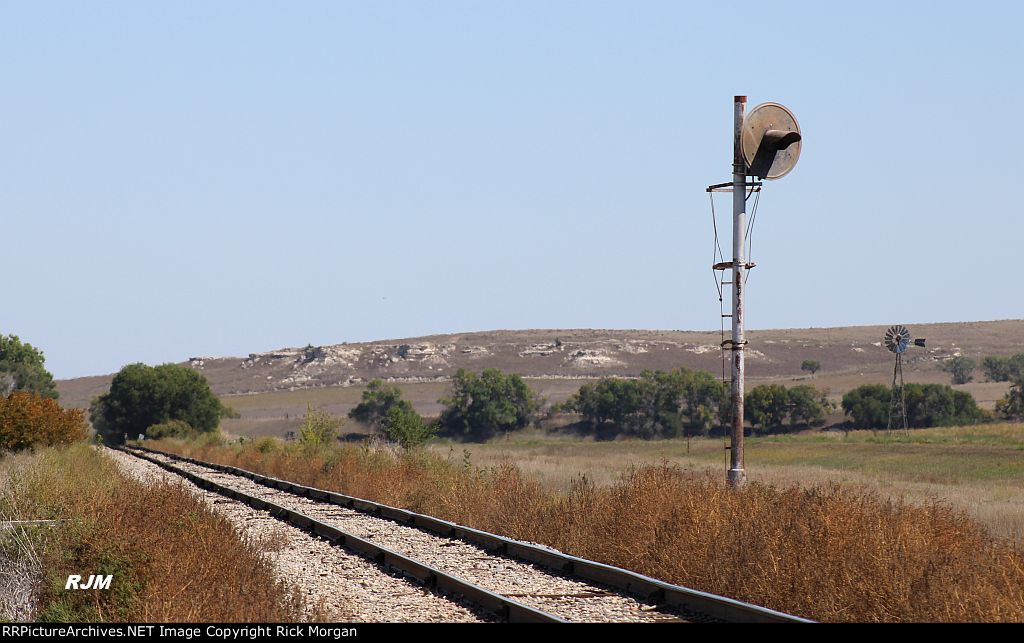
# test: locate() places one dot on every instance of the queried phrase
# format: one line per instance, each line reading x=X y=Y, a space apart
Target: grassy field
x=978 y=469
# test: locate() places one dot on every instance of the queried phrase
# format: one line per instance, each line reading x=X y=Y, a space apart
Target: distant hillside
x=581 y=354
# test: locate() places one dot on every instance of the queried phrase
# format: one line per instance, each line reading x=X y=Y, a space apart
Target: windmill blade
x=897 y=338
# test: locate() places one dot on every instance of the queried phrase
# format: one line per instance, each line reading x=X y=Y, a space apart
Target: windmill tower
x=898 y=340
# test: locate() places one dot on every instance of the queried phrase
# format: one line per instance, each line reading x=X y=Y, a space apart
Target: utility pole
x=737 y=472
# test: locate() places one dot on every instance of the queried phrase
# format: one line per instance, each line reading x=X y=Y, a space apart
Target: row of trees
x=176 y=401
x=684 y=402
x=996 y=368
x=657 y=404
x=1009 y=368
x=173 y=400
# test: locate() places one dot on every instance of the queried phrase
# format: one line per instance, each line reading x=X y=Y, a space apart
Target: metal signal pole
x=737 y=473
x=769 y=140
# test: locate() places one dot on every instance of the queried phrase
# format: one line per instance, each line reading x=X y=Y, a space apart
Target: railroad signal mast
x=766 y=145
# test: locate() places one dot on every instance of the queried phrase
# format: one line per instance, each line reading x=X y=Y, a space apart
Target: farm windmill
x=898 y=340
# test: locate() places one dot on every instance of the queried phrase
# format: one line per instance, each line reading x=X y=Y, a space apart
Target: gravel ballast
x=537 y=587
x=337 y=585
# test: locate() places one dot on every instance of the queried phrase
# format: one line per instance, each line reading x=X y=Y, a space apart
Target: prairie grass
x=172 y=558
x=976 y=469
x=828 y=552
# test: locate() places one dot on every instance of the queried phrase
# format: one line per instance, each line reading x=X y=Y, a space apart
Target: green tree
x=608 y=401
x=808 y=405
x=939 y=405
x=1011 y=406
x=1003 y=369
x=927 y=405
x=961 y=367
x=485 y=405
x=22 y=369
x=406 y=427
x=703 y=399
x=966 y=409
x=868 y=405
x=657 y=404
x=811 y=366
x=766 y=406
x=377 y=401
x=318 y=428
x=141 y=396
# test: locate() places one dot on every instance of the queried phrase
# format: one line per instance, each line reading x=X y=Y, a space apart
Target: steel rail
x=626 y=581
x=505 y=608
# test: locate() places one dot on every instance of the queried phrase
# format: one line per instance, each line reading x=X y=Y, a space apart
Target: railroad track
x=517 y=581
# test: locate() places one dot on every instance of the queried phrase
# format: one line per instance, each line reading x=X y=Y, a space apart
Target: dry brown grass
x=828 y=553
x=976 y=469
x=172 y=558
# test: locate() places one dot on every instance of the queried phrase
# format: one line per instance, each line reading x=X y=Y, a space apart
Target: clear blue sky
x=218 y=178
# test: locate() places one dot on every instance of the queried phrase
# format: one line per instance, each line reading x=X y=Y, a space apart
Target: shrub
x=28 y=420
x=318 y=428
x=405 y=426
x=377 y=402
x=170 y=429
